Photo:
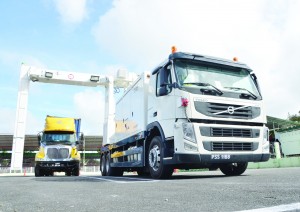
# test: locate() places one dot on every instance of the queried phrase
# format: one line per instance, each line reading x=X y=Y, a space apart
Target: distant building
x=287 y=133
x=92 y=143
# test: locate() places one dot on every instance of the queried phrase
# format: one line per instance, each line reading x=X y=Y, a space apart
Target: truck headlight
x=266 y=133
x=188 y=132
x=190 y=147
x=265 y=144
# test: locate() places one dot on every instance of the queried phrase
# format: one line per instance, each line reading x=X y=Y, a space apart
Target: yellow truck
x=59 y=144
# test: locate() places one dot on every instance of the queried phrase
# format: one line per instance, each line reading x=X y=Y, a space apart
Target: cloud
x=139 y=31
x=33 y=125
x=89 y=105
x=72 y=11
x=13 y=59
x=8 y=120
x=140 y=34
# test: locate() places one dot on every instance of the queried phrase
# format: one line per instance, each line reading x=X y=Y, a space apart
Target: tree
x=294 y=117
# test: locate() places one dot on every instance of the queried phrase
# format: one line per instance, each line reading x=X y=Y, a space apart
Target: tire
x=102 y=165
x=142 y=173
x=37 y=171
x=76 y=172
x=48 y=173
x=68 y=173
x=233 y=169
x=112 y=171
x=155 y=160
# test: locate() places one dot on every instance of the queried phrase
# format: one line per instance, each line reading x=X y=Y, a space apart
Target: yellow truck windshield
x=59 y=138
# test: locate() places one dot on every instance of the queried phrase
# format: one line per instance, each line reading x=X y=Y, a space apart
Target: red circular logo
x=71 y=76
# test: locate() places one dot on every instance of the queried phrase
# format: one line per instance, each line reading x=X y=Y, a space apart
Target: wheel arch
x=155 y=129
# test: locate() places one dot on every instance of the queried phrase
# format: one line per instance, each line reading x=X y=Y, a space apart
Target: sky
x=102 y=36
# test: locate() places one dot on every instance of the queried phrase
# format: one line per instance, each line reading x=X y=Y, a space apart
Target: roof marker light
x=235 y=59
x=174 y=49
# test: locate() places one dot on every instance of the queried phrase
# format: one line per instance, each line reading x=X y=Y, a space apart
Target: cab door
x=161 y=100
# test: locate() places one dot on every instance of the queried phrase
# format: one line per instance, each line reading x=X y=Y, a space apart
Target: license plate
x=220 y=157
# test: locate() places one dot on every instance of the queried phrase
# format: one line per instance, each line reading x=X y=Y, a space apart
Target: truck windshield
x=225 y=81
x=58 y=138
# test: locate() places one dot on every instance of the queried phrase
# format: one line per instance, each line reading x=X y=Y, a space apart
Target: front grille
x=221 y=146
x=221 y=110
x=230 y=146
x=58 y=153
x=228 y=132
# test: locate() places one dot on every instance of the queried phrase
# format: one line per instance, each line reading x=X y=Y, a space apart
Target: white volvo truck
x=192 y=111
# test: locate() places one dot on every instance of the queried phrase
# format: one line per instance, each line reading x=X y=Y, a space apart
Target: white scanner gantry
x=34 y=74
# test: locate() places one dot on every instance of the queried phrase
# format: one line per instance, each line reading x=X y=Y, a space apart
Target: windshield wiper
x=244 y=89
x=205 y=84
x=66 y=142
x=49 y=142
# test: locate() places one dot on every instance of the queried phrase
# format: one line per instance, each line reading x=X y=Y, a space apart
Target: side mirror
x=163 y=77
x=165 y=81
x=81 y=137
x=163 y=91
x=39 y=136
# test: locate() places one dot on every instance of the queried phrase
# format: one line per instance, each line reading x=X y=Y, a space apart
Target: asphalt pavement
x=256 y=189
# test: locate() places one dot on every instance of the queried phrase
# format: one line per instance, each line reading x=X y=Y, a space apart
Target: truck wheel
x=37 y=171
x=76 y=172
x=233 y=169
x=155 y=160
x=142 y=173
x=112 y=171
x=102 y=165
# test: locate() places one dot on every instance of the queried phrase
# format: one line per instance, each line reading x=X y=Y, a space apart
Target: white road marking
x=116 y=179
x=279 y=208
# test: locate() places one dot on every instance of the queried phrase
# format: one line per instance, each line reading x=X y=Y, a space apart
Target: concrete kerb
x=55 y=174
x=30 y=170
x=276 y=163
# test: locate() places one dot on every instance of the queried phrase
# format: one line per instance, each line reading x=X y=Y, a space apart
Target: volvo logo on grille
x=230 y=109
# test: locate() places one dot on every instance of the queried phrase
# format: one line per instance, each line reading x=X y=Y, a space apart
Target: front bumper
x=202 y=160
x=57 y=165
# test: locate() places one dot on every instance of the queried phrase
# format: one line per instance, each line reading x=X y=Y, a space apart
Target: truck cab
x=211 y=110
x=59 y=144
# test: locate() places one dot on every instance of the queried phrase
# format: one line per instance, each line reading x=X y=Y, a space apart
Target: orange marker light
x=174 y=49
x=235 y=59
